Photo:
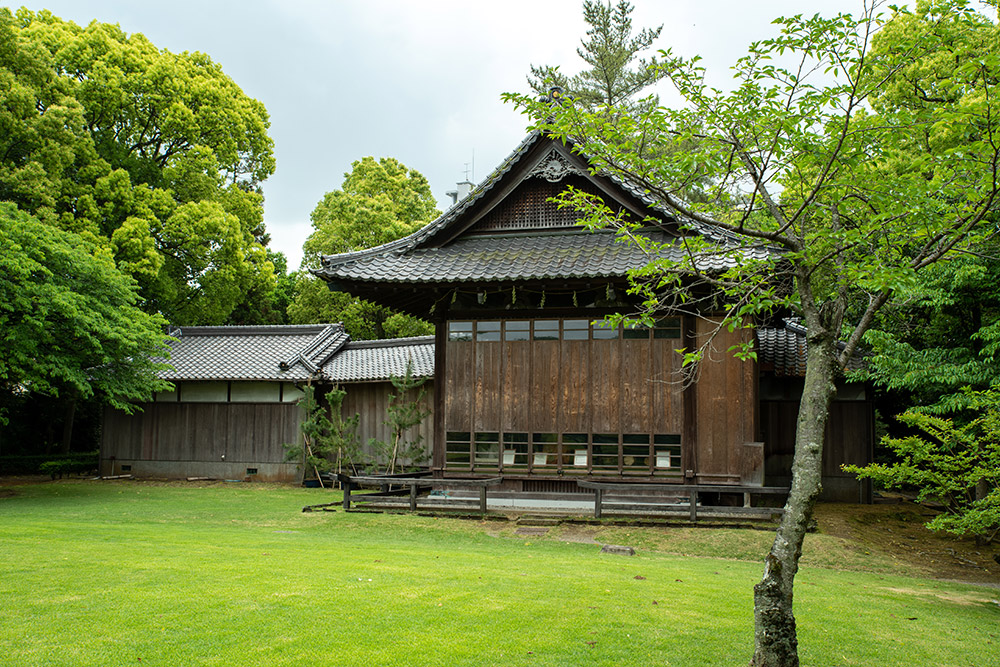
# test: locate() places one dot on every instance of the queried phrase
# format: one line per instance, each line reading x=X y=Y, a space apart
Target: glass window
x=517 y=330
x=668 y=451
x=601 y=330
x=487 y=331
x=457 y=449
x=668 y=458
x=515 y=450
x=635 y=451
x=546 y=329
x=459 y=330
x=667 y=327
x=576 y=329
x=487 y=449
x=636 y=332
x=544 y=449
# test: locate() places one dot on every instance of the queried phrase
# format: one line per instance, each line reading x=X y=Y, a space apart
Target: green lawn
x=114 y=573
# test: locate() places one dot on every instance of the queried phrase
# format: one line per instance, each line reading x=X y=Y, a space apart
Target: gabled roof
x=463 y=245
x=286 y=352
x=379 y=360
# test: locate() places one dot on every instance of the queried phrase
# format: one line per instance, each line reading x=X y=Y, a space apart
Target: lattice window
x=528 y=208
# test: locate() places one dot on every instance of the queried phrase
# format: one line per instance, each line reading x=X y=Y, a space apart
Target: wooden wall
x=370 y=400
x=849 y=439
x=563 y=386
x=202 y=439
x=726 y=407
x=223 y=440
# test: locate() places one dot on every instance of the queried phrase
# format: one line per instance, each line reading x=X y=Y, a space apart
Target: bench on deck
x=415 y=483
x=692 y=490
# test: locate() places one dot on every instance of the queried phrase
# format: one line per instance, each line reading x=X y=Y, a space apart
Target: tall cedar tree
x=616 y=73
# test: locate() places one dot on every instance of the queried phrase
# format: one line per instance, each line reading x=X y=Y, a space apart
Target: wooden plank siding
x=599 y=387
x=849 y=439
x=370 y=400
x=725 y=406
x=201 y=439
x=172 y=439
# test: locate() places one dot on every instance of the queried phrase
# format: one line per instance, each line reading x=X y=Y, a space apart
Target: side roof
x=269 y=353
x=292 y=353
x=783 y=350
x=379 y=360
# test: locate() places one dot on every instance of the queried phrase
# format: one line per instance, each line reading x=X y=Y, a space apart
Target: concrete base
x=266 y=472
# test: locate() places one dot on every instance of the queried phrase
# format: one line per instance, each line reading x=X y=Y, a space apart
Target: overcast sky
x=416 y=80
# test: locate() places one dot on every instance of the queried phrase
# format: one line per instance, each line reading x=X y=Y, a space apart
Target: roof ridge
x=411 y=240
x=247 y=329
x=389 y=342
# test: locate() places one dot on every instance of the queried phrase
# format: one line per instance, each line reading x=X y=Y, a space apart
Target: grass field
x=121 y=573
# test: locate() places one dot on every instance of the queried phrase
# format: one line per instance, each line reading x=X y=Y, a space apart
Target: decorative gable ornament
x=554 y=167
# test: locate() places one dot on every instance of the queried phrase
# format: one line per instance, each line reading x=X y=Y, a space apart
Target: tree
x=955 y=464
x=159 y=155
x=406 y=410
x=70 y=321
x=380 y=201
x=826 y=198
x=267 y=304
x=325 y=433
x=610 y=48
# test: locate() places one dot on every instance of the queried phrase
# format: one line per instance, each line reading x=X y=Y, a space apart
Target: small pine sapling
x=406 y=409
x=325 y=434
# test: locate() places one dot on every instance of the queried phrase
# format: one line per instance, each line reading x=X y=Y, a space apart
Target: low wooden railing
x=692 y=491
x=415 y=483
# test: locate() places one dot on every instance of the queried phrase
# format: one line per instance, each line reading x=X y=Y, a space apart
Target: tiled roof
x=287 y=352
x=783 y=350
x=518 y=257
x=374 y=360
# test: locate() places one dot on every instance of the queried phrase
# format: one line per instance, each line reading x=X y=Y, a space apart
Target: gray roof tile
x=517 y=257
x=378 y=360
x=290 y=352
x=783 y=351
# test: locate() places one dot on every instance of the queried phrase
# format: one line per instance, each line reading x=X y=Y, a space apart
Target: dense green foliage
x=616 y=73
x=34 y=464
x=955 y=464
x=379 y=201
x=70 y=322
x=157 y=156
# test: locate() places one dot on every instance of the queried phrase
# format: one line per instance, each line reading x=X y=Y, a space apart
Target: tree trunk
x=69 y=416
x=775 y=642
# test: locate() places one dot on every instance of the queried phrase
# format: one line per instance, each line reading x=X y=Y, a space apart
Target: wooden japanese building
x=530 y=382
x=232 y=409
